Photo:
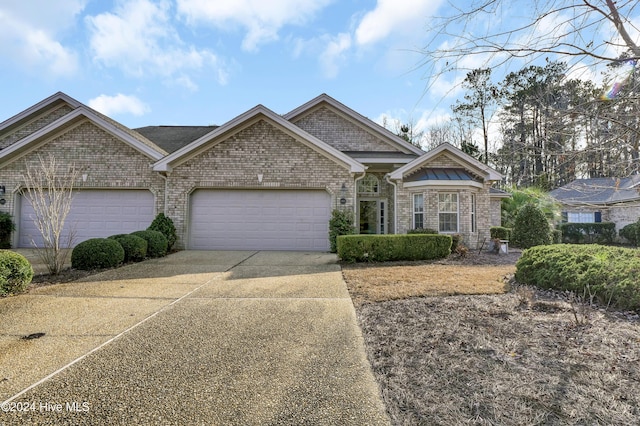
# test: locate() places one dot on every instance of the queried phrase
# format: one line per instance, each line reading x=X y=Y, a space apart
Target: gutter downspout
x=165 y=177
x=395 y=202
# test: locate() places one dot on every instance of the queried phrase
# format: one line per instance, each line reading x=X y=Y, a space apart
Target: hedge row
x=500 y=232
x=611 y=274
x=382 y=248
x=98 y=253
x=588 y=233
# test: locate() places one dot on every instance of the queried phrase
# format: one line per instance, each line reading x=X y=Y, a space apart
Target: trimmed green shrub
x=610 y=274
x=588 y=233
x=6 y=228
x=630 y=233
x=531 y=228
x=135 y=248
x=16 y=272
x=97 y=253
x=341 y=223
x=556 y=236
x=382 y=248
x=422 y=231
x=500 y=232
x=156 y=242
x=164 y=224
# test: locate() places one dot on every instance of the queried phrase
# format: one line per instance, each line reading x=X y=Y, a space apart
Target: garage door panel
x=95 y=213
x=259 y=219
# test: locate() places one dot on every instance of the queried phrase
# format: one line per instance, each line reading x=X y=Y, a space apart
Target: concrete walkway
x=198 y=337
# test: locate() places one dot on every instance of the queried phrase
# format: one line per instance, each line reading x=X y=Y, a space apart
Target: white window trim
x=457 y=212
x=474 y=214
x=413 y=210
x=367 y=180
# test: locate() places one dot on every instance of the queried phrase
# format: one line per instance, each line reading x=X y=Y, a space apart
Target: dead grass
x=521 y=357
x=380 y=283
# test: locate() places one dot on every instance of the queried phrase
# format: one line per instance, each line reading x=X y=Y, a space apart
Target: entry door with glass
x=372 y=216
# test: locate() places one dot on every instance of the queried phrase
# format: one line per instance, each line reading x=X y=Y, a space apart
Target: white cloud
x=394 y=16
x=259 y=18
x=334 y=54
x=29 y=35
x=139 y=38
x=119 y=104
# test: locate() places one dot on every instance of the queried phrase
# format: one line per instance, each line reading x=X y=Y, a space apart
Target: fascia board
x=356 y=117
x=59 y=96
x=74 y=115
x=244 y=120
x=464 y=159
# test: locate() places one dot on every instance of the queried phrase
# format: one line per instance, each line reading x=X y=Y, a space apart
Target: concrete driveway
x=193 y=338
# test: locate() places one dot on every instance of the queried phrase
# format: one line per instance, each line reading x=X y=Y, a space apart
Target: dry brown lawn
x=379 y=283
x=516 y=356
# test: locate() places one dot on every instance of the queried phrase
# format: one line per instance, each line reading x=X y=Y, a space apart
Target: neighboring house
x=262 y=181
x=595 y=200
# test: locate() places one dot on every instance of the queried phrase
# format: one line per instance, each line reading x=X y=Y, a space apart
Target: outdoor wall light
x=3 y=190
x=84 y=177
x=260 y=176
x=343 y=194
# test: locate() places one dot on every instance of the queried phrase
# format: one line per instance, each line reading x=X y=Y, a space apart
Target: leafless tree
x=49 y=188
x=594 y=30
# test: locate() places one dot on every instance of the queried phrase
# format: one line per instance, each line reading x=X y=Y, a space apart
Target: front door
x=372 y=216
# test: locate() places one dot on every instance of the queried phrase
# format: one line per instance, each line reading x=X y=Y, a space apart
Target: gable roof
x=77 y=115
x=246 y=119
x=461 y=158
x=172 y=138
x=27 y=114
x=355 y=117
x=599 y=191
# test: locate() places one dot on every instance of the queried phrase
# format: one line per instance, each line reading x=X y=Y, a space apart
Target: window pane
x=418 y=211
x=448 y=222
x=448 y=212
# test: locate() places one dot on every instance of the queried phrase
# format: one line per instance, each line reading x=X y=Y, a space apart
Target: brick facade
x=260 y=145
x=108 y=163
x=45 y=117
x=339 y=132
x=236 y=162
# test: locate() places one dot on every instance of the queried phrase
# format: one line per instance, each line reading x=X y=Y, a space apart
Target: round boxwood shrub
x=165 y=225
x=630 y=233
x=97 y=253
x=531 y=228
x=135 y=248
x=156 y=242
x=15 y=272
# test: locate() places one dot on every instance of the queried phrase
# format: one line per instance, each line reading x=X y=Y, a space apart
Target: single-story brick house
x=260 y=181
x=596 y=200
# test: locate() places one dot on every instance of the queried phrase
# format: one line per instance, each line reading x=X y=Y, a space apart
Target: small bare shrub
x=48 y=186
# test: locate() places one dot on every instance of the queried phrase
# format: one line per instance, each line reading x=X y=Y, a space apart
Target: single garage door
x=95 y=213
x=259 y=220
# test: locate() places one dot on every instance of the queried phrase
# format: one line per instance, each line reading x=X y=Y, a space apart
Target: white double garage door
x=218 y=219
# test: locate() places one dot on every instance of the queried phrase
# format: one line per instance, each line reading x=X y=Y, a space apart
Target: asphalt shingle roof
x=172 y=138
x=599 y=191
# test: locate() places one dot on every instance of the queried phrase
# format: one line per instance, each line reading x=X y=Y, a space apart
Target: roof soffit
x=78 y=116
x=246 y=120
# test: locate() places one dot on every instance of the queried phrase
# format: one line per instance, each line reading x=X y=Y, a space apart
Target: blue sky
x=193 y=62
